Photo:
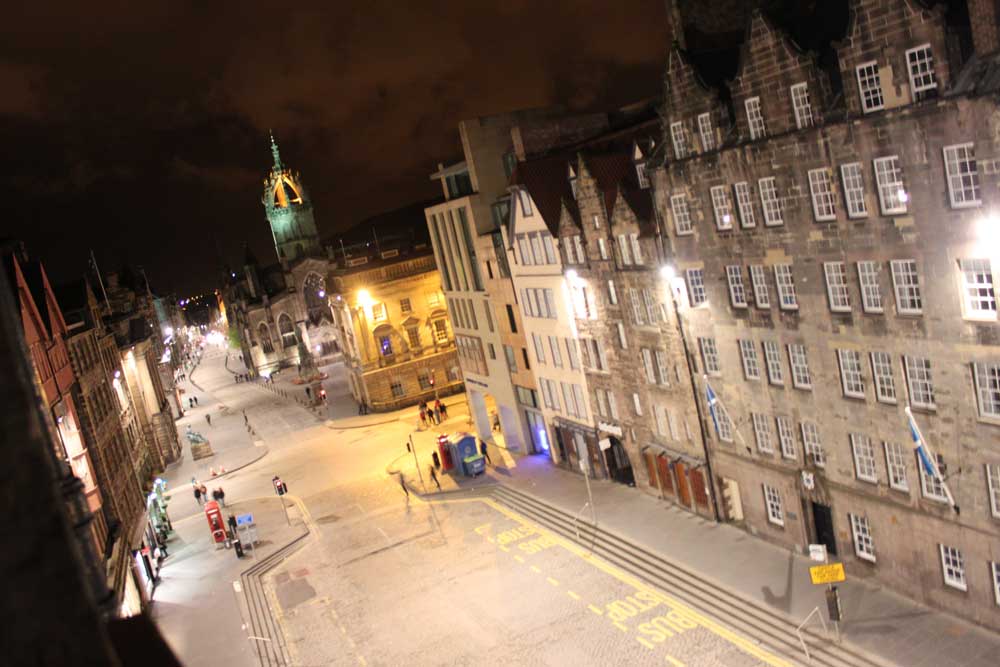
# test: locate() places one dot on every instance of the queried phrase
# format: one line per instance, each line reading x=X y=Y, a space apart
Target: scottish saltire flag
x=713 y=400
x=918 y=444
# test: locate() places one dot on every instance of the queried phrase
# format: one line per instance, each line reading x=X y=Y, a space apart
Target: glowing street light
x=667 y=272
x=365 y=298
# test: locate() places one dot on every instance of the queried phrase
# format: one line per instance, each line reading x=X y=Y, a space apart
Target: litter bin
x=238 y=546
x=474 y=465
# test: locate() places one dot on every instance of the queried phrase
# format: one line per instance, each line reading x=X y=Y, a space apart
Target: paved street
x=444 y=579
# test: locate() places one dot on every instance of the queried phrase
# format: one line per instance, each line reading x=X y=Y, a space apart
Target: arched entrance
x=618 y=464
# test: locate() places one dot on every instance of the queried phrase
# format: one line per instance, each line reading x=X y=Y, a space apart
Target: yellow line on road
x=554 y=582
x=362 y=661
x=534 y=568
x=595 y=609
x=674 y=661
x=573 y=595
x=519 y=559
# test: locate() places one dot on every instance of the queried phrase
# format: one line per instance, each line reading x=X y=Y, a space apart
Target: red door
x=665 y=479
x=698 y=488
x=683 y=488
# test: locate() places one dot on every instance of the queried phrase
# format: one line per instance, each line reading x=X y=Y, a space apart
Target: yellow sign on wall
x=827 y=574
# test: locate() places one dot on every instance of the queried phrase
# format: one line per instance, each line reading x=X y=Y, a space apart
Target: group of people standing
x=192 y=401
x=201 y=494
x=434 y=414
x=241 y=377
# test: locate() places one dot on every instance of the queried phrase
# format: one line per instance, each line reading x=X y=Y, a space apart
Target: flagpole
x=100 y=280
x=928 y=461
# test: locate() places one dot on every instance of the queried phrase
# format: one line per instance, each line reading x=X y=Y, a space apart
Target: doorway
x=823 y=526
x=618 y=463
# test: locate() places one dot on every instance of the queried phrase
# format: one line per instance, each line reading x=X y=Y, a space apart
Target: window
x=895 y=464
x=920 y=65
x=647 y=364
x=682 y=214
x=919 y=382
x=822 y=195
x=696 y=286
x=953 y=567
x=556 y=354
x=758 y=279
x=385 y=345
x=885 y=385
x=623 y=250
x=748 y=353
x=870 y=87
x=636 y=248
x=511 y=321
x=850 y=373
x=492 y=351
x=524 y=357
x=995 y=571
x=581 y=256
x=287 y=331
x=745 y=205
x=800 y=102
x=440 y=331
x=539 y=348
x=812 y=445
x=892 y=196
x=930 y=484
x=709 y=355
x=636 y=404
x=836 y=286
x=641 y=176
x=722 y=207
x=854 y=190
x=864 y=547
x=622 y=340
x=737 y=293
x=602 y=247
x=871 y=293
x=786 y=438
x=652 y=308
x=772 y=356
x=769 y=201
x=571 y=354
x=963 y=175
x=488 y=309
x=433 y=299
x=425 y=379
x=797 y=359
x=786 y=287
x=864 y=458
x=993 y=487
x=405 y=306
x=762 y=433
x=679 y=136
x=413 y=336
x=396 y=386
x=977 y=288
x=574 y=185
x=525 y=203
x=724 y=423
x=988 y=388
x=705 y=130
x=662 y=368
x=755 y=120
x=638 y=315
x=550 y=250
x=907 y=287
x=550 y=397
x=772 y=501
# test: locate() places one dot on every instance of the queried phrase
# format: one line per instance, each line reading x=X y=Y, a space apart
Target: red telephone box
x=216 y=524
x=445 y=451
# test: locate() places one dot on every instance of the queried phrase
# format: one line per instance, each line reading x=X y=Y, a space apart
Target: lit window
x=871 y=294
x=864 y=547
x=682 y=214
x=722 y=207
x=405 y=306
x=864 y=458
x=709 y=355
x=920 y=65
x=706 y=132
x=378 y=312
x=612 y=293
x=755 y=120
x=745 y=205
x=870 y=87
x=525 y=203
x=892 y=196
x=836 y=286
x=963 y=175
x=822 y=195
x=850 y=373
x=799 y=362
x=885 y=385
x=737 y=292
x=758 y=279
x=785 y=283
x=993 y=484
x=602 y=247
x=385 y=345
x=748 y=353
x=772 y=500
x=696 y=286
x=772 y=357
x=919 y=382
x=812 y=445
x=854 y=190
x=895 y=463
x=907 y=287
x=953 y=567
x=977 y=288
x=786 y=438
x=440 y=331
x=769 y=201
x=988 y=388
x=396 y=386
x=762 y=433
x=679 y=136
x=803 y=109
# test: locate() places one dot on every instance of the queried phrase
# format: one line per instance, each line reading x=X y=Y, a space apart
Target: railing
x=798 y=631
x=576 y=519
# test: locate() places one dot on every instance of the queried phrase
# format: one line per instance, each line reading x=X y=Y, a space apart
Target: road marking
x=573 y=595
x=534 y=568
x=519 y=559
x=554 y=582
x=674 y=661
x=595 y=609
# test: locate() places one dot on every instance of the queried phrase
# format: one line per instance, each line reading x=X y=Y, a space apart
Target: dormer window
x=870 y=87
x=640 y=166
x=573 y=184
x=679 y=137
x=802 y=106
x=706 y=132
x=920 y=66
x=755 y=119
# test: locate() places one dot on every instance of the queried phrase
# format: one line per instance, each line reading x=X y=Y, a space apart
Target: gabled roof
x=641 y=203
x=545 y=180
x=611 y=172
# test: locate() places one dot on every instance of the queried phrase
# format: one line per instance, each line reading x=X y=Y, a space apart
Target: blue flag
x=712 y=402
x=918 y=444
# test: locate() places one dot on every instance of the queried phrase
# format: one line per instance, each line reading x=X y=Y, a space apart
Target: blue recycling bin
x=463 y=446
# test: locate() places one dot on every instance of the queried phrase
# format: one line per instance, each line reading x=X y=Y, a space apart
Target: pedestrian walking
x=222 y=496
x=361 y=409
x=402 y=483
x=485 y=451
x=204 y=492
x=196 y=400
x=496 y=422
x=434 y=477
x=245 y=420
x=308 y=393
x=437 y=415
x=423 y=417
x=208 y=418
x=197 y=494
x=215 y=495
x=442 y=411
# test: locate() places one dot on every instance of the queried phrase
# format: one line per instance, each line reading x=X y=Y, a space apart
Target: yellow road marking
x=621 y=626
x=595 y=609
x=554 y=582
x=573 y=595
x=362 y=661
x=534 y=568
x=504 y=548
x=518 y=558
x=674 y=661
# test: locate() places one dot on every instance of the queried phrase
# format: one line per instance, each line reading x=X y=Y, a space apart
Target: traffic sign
x=827 y=574
x=817 y=552
x=244 y=519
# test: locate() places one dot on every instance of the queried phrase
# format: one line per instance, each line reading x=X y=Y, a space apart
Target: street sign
x=827 y=574
x=817 y=552
x=244 y=519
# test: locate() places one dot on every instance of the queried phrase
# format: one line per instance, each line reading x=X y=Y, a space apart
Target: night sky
x=144 y=135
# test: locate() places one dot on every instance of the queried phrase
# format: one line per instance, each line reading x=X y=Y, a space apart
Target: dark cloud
x=140 y=129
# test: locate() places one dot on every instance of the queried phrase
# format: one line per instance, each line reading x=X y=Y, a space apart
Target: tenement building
x=832 y=218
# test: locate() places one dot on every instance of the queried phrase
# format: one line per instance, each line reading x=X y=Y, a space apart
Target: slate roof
x=547 y=181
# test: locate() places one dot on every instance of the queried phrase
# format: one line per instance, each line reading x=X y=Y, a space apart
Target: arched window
x=264 y=334
x=287 y=330
x=314 y=293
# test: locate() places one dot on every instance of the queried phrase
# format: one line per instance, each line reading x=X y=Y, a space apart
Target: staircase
x=772 y=629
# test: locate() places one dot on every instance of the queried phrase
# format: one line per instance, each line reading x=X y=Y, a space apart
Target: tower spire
x=274 y=151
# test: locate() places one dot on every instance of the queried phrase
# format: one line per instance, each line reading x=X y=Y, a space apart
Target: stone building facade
x=837 y=245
